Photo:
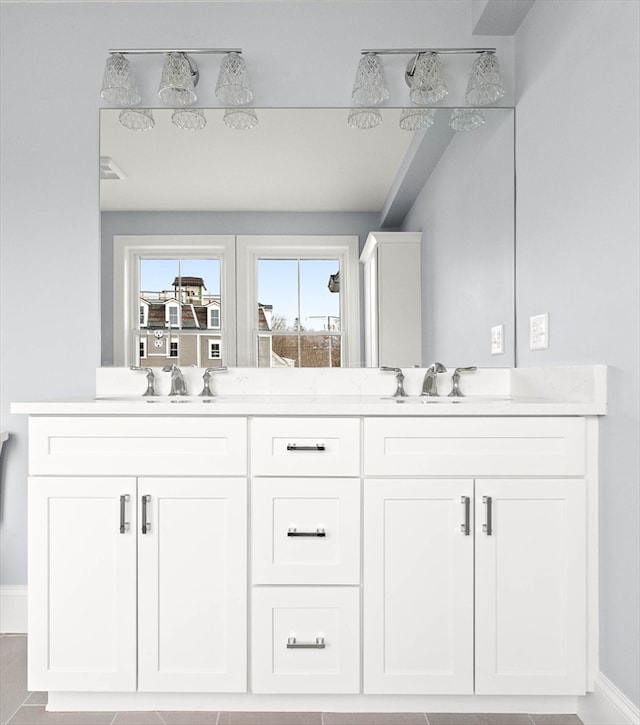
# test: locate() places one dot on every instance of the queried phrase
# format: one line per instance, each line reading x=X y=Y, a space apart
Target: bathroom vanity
x=311 y=551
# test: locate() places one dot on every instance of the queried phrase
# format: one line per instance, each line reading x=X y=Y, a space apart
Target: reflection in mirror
x=305 y=172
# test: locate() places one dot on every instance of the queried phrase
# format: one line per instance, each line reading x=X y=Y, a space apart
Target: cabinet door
x=418 y=586
x=82 y=584
x=192 y=585
x=530 y=587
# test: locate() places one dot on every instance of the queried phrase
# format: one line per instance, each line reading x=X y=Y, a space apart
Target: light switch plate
x=539 y=332
x=497 y=340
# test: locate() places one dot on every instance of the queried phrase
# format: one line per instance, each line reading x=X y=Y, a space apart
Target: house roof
x=189 y=282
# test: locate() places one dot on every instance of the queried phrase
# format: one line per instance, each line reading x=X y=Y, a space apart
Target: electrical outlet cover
x=539 y=332
x=497 y=340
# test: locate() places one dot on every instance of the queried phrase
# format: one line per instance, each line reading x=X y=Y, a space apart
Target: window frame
x=214 y=341
x=251 y=248
x=130 y=249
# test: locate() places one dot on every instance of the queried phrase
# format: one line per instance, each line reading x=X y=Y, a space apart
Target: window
x=143 y=348
x=214 y=318
x=173 y=316
x=173 y=280
x=292 y=312
x=215 y=350
x=191 y=283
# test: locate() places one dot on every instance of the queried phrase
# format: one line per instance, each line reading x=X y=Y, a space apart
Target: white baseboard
x=607 y=705
x=13 y=609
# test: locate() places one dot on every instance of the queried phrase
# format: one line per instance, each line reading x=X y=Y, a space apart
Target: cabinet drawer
x=305 y=447
x=324 y=617
x=474 y=446
x=138 y=446
x=306 y=531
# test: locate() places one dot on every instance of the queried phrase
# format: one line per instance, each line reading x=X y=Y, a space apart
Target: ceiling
x=293 y=160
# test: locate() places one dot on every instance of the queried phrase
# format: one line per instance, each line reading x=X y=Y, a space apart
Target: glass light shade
x=414 y=119
x=232 y=88
x=428 y=84
x=485 y=84
x=240 y=118
x=177 y=81
x=137 y=119
x=364 y=118
x=119 y=83
x=466 y=119
x=190 y=119
x=370 y=87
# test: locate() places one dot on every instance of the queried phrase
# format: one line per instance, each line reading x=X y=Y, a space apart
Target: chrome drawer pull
x=466 y=527
x=146 y=526
x=488 y=527
x=318 y=532
x=124 y=525
x=318 y=644
x=296 y=447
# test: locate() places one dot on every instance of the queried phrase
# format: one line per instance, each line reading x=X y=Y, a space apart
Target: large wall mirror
x=188 y=201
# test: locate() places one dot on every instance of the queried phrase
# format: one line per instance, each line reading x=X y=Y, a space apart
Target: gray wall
x=117 y=223
x=577 y=258
x=465 y=214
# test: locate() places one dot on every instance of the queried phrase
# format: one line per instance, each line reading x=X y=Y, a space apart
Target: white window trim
x=250 y=248
x=127 y=252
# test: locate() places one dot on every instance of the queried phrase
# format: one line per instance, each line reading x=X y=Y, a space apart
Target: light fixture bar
x=415 y=51
x=189 y=51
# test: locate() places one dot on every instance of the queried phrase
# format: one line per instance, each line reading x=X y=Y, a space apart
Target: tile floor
x=20 y=707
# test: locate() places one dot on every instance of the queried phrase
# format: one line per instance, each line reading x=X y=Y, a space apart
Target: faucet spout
x=177 y=379
x=430 y=382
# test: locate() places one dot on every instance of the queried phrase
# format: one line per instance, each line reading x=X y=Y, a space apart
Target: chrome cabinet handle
x=318 y=644
x=124 y=525
x=466 y=526
x=488 y=526
x=318 y=532
x=146 y=526
x=296 y=447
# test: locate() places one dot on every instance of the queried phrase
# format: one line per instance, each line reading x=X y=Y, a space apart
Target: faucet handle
x=455 y=379
x=151 y=390
x=206 y=390
x=399 y=380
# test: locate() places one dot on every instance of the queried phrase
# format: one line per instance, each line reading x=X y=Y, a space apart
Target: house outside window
x=173 y=348
x=143 y=348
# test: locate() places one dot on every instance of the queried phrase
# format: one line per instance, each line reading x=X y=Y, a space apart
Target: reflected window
x=215 y=350
x=298 y=315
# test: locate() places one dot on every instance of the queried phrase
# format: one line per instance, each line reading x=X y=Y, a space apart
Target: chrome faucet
x=399 y=381
x=206 y=390
x=429 y=384
x=455 y=379
x=177 y=380
x=151 y=390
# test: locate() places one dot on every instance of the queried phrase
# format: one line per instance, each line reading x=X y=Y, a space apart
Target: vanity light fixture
x=178 y=81
x=427 y=86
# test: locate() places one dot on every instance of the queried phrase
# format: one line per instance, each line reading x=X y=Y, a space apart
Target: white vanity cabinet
x=392 y=299
x=515 y=617
x=137 y=582
x=365 y=560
